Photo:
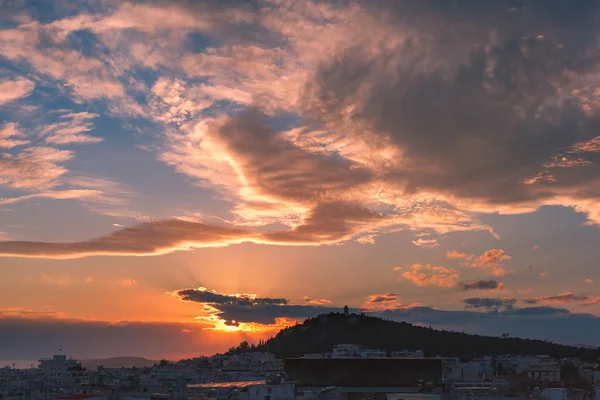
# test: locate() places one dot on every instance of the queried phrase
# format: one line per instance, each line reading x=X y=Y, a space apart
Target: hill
x=319 y=334
x=118 y=362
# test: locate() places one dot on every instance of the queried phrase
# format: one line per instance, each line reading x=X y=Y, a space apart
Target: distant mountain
x=318 y=335
x=118 y=362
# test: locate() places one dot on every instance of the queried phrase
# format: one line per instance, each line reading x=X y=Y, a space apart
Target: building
x=59 y=368
x=363 y=372
x=277 y=389
x=346 y=350
x=472 y=371
x=408 y=354
x=414 y=396
x=544 y=368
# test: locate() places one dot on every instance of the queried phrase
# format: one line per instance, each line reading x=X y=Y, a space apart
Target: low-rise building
x=544 y=368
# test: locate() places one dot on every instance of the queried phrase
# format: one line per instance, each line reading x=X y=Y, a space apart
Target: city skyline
x=179 y=176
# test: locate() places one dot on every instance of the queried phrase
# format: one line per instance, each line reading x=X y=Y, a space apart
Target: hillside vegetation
x=320 y=334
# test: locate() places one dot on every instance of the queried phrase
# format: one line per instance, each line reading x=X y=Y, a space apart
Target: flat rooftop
x=216 y=385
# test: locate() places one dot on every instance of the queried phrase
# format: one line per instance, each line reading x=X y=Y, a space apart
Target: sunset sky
x=178 y=176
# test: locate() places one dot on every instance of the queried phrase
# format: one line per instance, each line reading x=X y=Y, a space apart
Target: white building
x=345 y=350
x=372 y=353
x=408 y=354
x=544 y=368
x=472 y=371
x=59 y=368
x=278 y=390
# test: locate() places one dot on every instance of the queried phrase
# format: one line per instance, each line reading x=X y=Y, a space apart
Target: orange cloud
x=425 y=275
x=425 y=242
x=126 y=282
x=386 y=301
x=457 y=255
x=318 y=302
x=490 y=259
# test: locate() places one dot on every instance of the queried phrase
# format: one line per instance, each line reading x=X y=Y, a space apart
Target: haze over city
x=180 y=176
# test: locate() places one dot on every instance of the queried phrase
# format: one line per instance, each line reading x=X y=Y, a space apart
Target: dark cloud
x=234 y=309
x=585 y=299
x=489 y=303
x=328 y=223
x=275 y=167
x=481 y=285
x=205 y=296
x=268 y=314
x=477 y=105
x=148 y=238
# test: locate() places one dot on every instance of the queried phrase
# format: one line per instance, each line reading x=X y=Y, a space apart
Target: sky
x=179 y=176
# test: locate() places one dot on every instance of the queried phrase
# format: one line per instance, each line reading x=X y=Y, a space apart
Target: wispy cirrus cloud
x=33 y=168
x=71 y=128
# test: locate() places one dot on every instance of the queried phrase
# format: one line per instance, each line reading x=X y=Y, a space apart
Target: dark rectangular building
x=363 y=372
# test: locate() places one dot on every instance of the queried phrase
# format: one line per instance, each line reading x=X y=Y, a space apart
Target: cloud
x=492 y=259
x=489 y=303
x=385 y=301
x=26 y=313
x=426 y=275
x=8 y=133
x=583 y=299
x=145 y=239
x=203 y=295
x=425 y=242
x=481 y=285
x=588 y=280
x=70 y=129
x=459 y=256
x=34 y=168
x=369 y=239
x=317 y=302
x=16 y=89
x=126 y=282
x=58 y=194
x=249 y=312
x=326 y=128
